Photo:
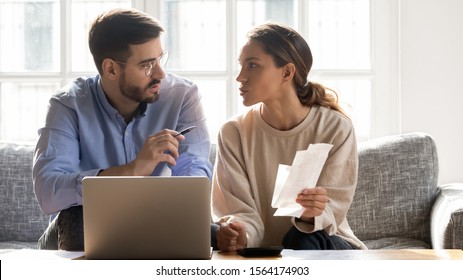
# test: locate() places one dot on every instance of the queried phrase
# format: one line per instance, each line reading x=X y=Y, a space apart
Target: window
x=205 y=48
x=43 y=46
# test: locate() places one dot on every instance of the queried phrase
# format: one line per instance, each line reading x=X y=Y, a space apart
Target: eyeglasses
x=148 y=66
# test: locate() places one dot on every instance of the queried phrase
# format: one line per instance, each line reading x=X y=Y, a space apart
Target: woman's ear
x=289 y=71
x=110 y=68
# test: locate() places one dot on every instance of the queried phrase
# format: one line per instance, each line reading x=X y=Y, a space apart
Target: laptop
x=146 y=217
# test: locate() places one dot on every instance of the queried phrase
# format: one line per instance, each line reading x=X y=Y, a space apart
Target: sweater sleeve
x=232 y=198
x=339 y=178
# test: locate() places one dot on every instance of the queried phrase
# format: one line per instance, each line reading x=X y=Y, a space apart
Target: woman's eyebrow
x=250 y=59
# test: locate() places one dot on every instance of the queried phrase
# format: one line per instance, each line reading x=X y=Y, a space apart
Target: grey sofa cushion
x=21 y=218
x=454 y=233
x=18 y=245
x=447 y=217
x=395 y=243
x=397 y=186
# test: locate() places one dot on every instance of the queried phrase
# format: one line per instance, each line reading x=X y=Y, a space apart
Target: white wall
x=431 y=78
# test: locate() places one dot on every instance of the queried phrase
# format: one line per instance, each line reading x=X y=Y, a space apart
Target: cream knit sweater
x=248 y=155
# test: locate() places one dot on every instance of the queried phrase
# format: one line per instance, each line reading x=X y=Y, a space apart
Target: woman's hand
x=231 y=236
x=314 y=201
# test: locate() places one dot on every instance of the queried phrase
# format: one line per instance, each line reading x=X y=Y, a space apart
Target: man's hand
x=160 y=147
x=314 y=201
x=231 y=236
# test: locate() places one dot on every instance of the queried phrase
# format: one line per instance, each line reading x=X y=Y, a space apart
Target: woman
x=289 y=114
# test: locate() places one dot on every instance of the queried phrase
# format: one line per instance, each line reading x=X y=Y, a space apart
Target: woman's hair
x=285 y=45
x=112 y=33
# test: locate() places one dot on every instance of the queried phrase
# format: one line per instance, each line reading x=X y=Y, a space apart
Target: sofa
x=398 y=203
x=21 y=220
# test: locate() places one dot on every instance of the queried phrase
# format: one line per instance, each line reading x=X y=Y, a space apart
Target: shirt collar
x=110 y=110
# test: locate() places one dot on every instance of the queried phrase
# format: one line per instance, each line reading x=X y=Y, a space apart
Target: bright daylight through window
x=43 y=46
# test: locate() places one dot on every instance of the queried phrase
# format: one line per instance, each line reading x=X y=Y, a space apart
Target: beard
x=136 y=93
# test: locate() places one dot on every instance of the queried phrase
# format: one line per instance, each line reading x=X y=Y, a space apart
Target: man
x=122 y=121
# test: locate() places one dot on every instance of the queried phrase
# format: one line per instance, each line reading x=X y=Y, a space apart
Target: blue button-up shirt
x=84 y=134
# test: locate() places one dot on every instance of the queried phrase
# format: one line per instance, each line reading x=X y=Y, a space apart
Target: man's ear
x=288 y=71
x=110 y=68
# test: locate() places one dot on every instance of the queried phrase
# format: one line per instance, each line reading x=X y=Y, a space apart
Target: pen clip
x=185 y=131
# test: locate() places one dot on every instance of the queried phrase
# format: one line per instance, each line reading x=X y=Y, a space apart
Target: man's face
x=133 y=82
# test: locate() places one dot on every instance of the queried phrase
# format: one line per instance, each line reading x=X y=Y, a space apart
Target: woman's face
x=260 y=80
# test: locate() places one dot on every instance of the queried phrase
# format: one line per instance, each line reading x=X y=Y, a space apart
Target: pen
x=185 y=131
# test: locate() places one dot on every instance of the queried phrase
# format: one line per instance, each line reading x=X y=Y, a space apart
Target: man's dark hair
x=112 y=33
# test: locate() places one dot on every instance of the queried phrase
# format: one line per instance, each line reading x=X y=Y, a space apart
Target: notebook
x=140 y=217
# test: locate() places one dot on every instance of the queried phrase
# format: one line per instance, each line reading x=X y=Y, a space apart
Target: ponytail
x=315 y=94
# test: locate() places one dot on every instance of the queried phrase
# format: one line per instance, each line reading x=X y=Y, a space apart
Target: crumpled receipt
x=291 y=180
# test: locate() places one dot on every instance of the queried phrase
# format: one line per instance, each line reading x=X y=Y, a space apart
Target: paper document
x=291 y=180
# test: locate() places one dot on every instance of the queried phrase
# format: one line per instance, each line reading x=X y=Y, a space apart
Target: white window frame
x=384 y=73
x=386 y=116
x=65 y=74
x=385 y=58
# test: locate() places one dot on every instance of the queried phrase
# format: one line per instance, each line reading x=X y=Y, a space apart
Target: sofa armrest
x=447 y=218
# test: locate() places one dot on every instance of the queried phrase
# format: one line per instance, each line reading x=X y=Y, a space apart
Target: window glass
x=22 y=109
x=339 y=34
x=203 y=38
x=29 y=36
x=214 y=104
x=254 y=12
x=31 y=45
x=196 y=34
x=354 y=96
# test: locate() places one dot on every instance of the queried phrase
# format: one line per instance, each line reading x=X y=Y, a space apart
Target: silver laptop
x=140 y=217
